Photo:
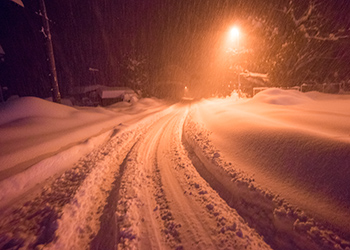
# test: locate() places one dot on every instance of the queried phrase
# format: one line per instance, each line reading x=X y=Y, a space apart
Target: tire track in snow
x=225 y=228
x=187 y=222
x=34 y=223
x=142 y=197
x=107 y=237
x=80 y=222
x=165 y=204
x=65 y=212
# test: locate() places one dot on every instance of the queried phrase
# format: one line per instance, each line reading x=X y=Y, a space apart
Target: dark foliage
x=130 y=42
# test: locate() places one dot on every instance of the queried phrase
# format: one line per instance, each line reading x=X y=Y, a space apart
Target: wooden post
x=56 y=96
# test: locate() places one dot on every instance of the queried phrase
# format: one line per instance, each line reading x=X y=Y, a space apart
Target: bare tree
x=298 y=42
x=310 y=23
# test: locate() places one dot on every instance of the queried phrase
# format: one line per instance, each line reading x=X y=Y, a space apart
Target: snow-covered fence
x=259 y=89
x=332 y=88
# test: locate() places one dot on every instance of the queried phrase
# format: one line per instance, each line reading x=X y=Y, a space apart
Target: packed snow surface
x=267 y=172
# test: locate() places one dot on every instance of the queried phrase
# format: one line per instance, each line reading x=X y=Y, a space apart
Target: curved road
x=171 y=206
x=145 y=188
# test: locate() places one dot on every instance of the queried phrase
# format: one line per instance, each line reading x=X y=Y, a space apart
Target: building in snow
x=94 y=95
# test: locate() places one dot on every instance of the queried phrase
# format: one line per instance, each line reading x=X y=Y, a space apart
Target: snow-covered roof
x=86 y=89
x=261 y=76
x=115 y=92
x=104 y=91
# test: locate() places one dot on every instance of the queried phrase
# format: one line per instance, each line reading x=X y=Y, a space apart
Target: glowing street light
x=234 y=36
x=234 y=33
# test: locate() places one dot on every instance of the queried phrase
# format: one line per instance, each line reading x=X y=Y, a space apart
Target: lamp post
x=234 y=35
x=2 y=59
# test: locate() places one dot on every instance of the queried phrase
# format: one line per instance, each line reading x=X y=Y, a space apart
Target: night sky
x=100 y=33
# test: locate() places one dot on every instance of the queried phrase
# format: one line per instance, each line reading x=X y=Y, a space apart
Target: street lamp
x=234 y=35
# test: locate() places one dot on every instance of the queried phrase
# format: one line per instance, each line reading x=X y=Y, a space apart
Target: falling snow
x=183 y=124
x=217 y=173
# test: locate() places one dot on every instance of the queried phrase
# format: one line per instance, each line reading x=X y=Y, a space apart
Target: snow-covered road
x=160 y=182
x=139 y=190
x=174 y=206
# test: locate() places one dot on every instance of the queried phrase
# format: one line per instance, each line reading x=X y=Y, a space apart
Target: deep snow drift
x=39 y=138
x=295 y=144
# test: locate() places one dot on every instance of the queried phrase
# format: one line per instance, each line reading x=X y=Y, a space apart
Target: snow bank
x=280 y=97
x=39 y=138
x=18 y=184
x=292 y=144
x=32 y=129
x=27 y=107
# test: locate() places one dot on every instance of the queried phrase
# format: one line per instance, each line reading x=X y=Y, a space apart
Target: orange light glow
x=234 y=33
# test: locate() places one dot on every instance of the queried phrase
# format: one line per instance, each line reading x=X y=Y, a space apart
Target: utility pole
x=56 y=96
x=2 y=59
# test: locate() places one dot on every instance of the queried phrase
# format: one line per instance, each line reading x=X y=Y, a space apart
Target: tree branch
x=306 y=24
